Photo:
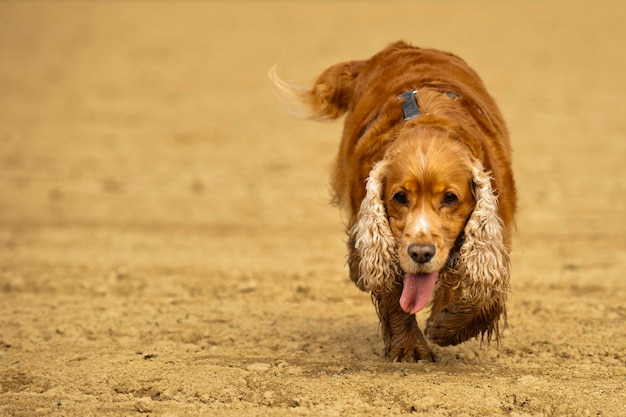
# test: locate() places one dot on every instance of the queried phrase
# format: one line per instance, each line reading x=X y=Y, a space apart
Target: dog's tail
x=329 y=97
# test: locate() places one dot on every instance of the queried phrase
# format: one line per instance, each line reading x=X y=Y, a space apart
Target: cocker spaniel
x=424 y=173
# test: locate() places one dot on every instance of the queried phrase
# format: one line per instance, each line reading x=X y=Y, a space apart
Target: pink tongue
x=417 y=290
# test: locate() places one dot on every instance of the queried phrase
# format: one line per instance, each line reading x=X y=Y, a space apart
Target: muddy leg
x=454 y=320
x=403 y=339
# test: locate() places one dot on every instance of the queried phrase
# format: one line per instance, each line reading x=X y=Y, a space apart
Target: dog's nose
x=421 y=253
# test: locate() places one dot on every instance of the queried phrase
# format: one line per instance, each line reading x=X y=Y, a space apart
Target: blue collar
x=410 y=108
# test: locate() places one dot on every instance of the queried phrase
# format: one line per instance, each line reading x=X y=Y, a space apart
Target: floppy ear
x=327 y=99
x=373 y=240
x=484 y=261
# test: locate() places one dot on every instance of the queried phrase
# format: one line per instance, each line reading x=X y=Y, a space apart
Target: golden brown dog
x=424 y=172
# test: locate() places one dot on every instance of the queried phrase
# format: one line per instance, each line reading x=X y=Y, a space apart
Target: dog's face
x=427 y=190
x=428 y=199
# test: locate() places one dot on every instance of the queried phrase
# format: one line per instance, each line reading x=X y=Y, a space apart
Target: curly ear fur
x=484 y=261
x=329 y=97
x=373 y=240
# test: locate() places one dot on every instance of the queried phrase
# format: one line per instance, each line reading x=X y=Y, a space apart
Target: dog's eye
x=401 y=198
x=449 y=199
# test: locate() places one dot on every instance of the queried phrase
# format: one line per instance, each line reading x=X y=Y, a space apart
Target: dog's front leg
x=404 y=341
x=455 y=318
x=463 y=320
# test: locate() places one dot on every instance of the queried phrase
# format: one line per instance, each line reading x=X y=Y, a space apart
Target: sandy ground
x=167 y=246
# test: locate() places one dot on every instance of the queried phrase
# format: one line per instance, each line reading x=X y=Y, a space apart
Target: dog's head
x=429 y=206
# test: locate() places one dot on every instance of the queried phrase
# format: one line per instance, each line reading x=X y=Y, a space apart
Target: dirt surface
x=167 y=246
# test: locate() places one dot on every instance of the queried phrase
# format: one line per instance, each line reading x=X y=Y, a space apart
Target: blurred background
x=124 y=116
x=166 y=229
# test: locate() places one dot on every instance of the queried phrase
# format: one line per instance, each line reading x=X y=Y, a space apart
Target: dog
x=424 y=174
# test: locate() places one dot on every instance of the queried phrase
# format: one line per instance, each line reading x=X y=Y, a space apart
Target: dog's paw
x=456 y=324
x=412 y=354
